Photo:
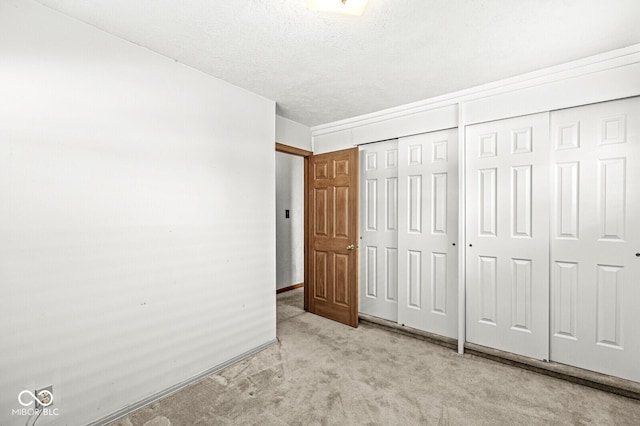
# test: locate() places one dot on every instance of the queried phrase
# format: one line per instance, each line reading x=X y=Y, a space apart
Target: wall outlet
x=44 y=397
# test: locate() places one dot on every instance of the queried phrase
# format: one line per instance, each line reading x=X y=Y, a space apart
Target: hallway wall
x=289 y=231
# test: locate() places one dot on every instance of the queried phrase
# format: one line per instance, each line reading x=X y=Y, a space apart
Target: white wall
x=292 y=133
x=289 y=232
x=137 y=228
x=290 y=195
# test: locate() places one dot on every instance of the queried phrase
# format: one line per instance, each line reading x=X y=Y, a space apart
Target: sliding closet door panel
x=508 y=235
x=595 y=293
x=427 y=232
x=379 y=230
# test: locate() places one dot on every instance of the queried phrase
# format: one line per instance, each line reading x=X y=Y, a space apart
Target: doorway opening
x=292 y=230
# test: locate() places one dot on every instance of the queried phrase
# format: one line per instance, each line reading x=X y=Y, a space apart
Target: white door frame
x=462 y=229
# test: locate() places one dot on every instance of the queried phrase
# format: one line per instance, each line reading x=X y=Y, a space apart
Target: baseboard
x=172 y=389
x=436 y=339
x=291 y=287
x=580 y=376
x=569 y=373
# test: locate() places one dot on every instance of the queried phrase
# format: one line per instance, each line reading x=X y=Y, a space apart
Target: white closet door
x=379 y=230
x=508 y=235
x=428 y=231
x=595 y=237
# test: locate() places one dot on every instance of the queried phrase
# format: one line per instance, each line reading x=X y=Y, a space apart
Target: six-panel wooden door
x=333 y=255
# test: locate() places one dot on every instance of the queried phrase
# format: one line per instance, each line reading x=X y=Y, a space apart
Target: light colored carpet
x=325 y=373
x=289 y=304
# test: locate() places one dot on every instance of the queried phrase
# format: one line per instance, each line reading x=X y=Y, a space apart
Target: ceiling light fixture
x=345 y=7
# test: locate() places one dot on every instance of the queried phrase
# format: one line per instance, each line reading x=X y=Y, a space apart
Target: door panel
x=428 y=231
x=595 y=235
x=507 y=225
x=379 y=230
x=334 y=215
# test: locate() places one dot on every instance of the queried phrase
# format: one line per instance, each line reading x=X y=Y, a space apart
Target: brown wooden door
x=333 y=257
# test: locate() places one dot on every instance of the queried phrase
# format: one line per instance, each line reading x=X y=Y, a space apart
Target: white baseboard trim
x=172 y=389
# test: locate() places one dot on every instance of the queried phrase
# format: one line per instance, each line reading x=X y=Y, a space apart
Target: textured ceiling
x=322 y=67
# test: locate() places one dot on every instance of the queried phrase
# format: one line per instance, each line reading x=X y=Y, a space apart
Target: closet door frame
x=462 y=229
